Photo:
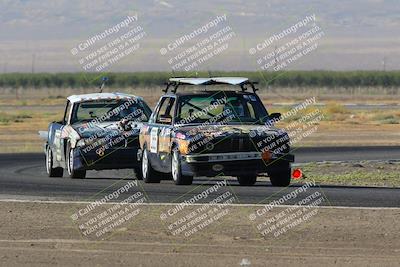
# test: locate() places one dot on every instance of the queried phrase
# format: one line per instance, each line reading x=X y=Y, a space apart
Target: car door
x=59 y=138
x=160 y=134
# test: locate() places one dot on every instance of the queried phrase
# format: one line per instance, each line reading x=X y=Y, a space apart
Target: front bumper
x=115 y=158
x=233 y=164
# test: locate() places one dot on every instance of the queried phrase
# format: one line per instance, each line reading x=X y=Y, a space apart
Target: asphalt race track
x=23 y=177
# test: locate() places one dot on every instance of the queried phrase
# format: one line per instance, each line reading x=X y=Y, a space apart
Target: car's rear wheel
x=148 y=173
x=138 y=173
x=249 y=179
x=75 y=174
x=52 y=172
x=176 y=169
x=280 y=178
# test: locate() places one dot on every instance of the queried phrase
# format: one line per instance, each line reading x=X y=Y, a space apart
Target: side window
x=166 y=110
x=252 y=113
x=153 y=115
x=67 y=112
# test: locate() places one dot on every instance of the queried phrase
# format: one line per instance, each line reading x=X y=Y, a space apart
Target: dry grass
x=268 y=95
x=21 y=119
x=384 y=174
x=7 y=118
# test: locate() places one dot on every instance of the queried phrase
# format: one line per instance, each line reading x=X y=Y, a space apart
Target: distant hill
x=360 y=34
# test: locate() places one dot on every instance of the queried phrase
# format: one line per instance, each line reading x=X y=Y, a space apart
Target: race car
x=214 y=133
x=98 y=131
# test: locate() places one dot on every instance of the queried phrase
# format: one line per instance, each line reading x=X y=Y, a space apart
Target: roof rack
x=241 y=81
x=104 y=80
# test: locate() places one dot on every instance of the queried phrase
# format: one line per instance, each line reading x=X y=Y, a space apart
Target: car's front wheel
x=176 y=169
x=149 y=175
x=280 y=178
x=250 y=179
x=52 y=172
x=78 y=174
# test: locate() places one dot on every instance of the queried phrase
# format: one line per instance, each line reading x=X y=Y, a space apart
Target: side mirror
x=275 y=116
x=167 y=119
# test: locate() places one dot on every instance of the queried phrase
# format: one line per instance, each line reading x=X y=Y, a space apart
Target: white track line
x=195 y=204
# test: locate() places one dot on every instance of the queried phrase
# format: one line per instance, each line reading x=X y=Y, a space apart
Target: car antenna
x=209 y=76
x=104 y=80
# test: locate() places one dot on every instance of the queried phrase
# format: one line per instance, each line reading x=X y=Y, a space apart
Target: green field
x=388 y=79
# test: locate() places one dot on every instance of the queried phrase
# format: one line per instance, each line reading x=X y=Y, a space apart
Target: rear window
x=111 y=110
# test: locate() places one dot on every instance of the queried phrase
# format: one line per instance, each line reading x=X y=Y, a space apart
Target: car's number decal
x=164 y=140
x=57 y=143
x=154 y=140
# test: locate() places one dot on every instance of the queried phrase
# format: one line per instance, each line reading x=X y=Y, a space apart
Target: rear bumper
x=116 y=158
x=233 y=164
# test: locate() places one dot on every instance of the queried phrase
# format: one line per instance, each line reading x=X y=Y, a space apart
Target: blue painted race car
x=98 y=131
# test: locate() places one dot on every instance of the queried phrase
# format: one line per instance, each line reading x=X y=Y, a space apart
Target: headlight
x=266 y=155
x=183 y=146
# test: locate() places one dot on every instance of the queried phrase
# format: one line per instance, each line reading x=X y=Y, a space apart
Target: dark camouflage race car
x=212 y=133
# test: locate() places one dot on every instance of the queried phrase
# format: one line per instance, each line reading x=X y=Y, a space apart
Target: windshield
x=220 y=107
x=110 y=110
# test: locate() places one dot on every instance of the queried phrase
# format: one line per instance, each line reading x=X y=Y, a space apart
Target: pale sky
x=357 y=34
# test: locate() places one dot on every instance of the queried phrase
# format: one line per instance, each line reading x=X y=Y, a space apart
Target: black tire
x=246 y=180
x=166 y=176
x=138 y=173
x=176 y=170
x=149 y=175
x=74 y=174
x=52 y=172
x=281 y=178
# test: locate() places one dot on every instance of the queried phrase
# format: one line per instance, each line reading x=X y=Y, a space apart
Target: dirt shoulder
x=21 y=119
x=43 y=234
x=20 y=132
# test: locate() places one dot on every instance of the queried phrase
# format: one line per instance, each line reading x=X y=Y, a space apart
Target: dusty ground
x=38 y=234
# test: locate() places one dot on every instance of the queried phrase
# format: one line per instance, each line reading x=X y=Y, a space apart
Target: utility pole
x=33 y=62
x=384 y=63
